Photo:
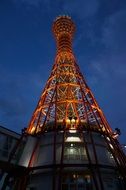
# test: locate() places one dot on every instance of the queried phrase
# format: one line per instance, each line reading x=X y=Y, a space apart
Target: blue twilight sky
x=27 y=51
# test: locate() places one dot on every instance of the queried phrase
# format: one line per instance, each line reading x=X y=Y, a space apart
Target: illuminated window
x=110 y=157
x=74 y=151
x=73 y=139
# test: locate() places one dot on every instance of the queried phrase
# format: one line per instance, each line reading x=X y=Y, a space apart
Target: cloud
x=81 y=9
x=112 y=61
x=114 y=30
x=107 y=74
x=46 y=5
x=29 y=2
x=106 y=45
x=18 y=98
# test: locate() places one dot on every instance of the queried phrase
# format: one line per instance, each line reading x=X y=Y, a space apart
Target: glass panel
x=72 y=178
x=88 y=187
x=74 y=151
x=80 y=180
x=65 y=187
x=72 y=186
x=75 y=181
x=80 y=187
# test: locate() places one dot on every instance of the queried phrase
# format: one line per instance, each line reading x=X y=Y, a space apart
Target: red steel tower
x=69 y=144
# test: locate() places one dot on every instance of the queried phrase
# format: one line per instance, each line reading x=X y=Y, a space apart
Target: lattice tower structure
x=66 y=97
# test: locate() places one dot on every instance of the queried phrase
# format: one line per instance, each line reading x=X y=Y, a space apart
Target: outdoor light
x=73 y=139
x=72 y=130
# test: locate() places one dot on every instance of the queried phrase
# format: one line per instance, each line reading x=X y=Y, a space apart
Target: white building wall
x=8 y=139
x=27 y=151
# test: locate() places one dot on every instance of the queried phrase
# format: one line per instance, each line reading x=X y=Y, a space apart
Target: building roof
x=9 y=132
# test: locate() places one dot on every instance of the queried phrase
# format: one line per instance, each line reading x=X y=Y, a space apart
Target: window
x=110 y=157
x=76 y=182
x=7 y=146
x=74 y=151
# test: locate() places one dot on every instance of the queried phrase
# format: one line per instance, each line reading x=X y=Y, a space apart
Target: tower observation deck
x=68 y=144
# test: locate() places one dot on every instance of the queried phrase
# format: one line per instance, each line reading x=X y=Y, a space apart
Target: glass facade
x=8 y=139
x=76 y=181
x=74 y=151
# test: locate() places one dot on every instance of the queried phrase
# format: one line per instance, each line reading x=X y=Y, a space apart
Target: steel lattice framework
x=66 y=98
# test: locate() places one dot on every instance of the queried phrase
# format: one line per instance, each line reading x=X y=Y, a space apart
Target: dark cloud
x=102 y=59
x=105 y=70
x=30 y=2
x=19 y=92
x=81 y=9
x=114 y=31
